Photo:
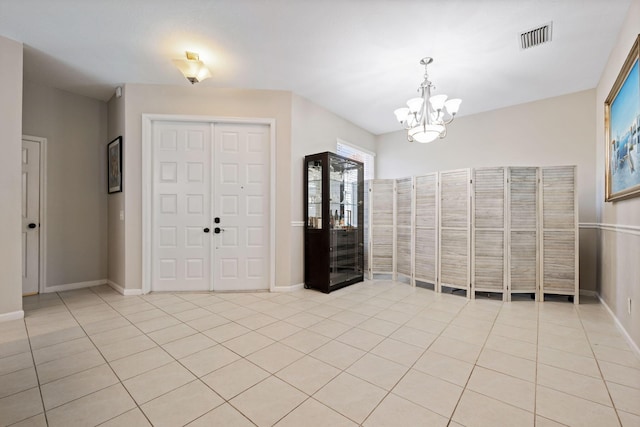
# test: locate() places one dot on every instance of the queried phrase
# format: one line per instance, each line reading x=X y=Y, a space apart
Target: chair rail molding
x=617 y=228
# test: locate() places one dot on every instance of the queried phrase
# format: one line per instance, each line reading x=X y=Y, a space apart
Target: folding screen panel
x=381 y=232
x=559 y=244
x=426 y=228
x=489 y=261
x=404 y=227
x=517 y=235
x=454 y=247
x=523 y=256
x=367 y=225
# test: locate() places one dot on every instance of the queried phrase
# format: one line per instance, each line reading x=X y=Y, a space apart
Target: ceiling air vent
x=536 y=36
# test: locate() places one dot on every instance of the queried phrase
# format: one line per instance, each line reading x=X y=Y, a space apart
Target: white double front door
x=210 y=207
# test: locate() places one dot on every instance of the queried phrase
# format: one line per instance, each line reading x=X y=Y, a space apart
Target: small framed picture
x=114 y=159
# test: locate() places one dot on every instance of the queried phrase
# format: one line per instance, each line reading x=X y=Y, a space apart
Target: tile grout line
x=343 y=307
x=110 y=367
x=601 y=377
x=199 y=378
x=196 y=377
x=342 y=371
x=66 y=376
x=270 y=373
x=44 y=410
x=416 y=361
x=613 y=405
x=535 y=377
x=464 y=388
x=325 y=318
x=310 y=396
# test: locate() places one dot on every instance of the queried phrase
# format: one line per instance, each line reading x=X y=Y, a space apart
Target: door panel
x=30 y=215
x=181 y=209
x=202 y=171
x=241 y=188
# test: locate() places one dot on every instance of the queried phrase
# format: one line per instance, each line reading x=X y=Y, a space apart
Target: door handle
x=206 y=230
x=32 y=225
x=218 y=230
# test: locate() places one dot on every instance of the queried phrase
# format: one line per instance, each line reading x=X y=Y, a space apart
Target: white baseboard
x=627 y=337
x=72 y=286
x=12 y=315
x=290 y=288
x=123 y=291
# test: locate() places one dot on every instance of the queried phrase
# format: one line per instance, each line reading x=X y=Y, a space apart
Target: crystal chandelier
x=426 y=117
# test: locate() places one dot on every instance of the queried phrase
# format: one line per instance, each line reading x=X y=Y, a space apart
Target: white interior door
x=30 y=216
x=181 y=239
x=241 y=202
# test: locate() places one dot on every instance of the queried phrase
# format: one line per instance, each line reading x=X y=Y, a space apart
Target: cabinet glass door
x=314 y=192
x=344 y=255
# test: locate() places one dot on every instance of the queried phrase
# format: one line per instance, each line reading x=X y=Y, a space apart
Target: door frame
x=147 y=179
x=42 y=259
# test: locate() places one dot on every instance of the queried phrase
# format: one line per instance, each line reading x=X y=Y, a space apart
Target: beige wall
x=313 y=130
x=76 y=131
x=10 y=178
x=301 y=128
x=554 y=131
x=201 y=101
x=618 y=269
x=115 y=203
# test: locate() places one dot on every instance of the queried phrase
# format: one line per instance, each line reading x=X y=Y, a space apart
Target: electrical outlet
x=629 y=305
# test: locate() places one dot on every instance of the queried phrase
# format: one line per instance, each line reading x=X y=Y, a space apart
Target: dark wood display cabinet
x=334 y=221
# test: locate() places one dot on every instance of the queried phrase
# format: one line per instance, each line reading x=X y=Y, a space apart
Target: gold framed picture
x=622 y=131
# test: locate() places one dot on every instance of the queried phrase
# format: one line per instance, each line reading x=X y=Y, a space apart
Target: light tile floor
x=378 y=353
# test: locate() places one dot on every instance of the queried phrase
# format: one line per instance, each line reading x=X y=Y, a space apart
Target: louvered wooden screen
x=559 y=240
x=382 y=226
x=454 y=239
x=404 y=227
x=523 y=228
x=524 y=234
x=366 y=225
x=426 y=228
x=488 y=272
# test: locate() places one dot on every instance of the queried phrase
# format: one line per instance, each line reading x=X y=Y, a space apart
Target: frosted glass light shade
x=426 y=134
x=437 y=101
x=194 y=70
x=453 y=105
x=415 y=104
x=401 y=114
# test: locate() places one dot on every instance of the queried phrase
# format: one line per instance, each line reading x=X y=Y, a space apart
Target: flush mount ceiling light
x=192 y=68
x=427 y=117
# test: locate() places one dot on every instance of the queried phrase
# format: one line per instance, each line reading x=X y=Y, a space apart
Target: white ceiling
x=357 y=58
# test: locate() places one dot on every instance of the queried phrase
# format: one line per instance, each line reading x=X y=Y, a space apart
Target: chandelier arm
x=446 y=122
